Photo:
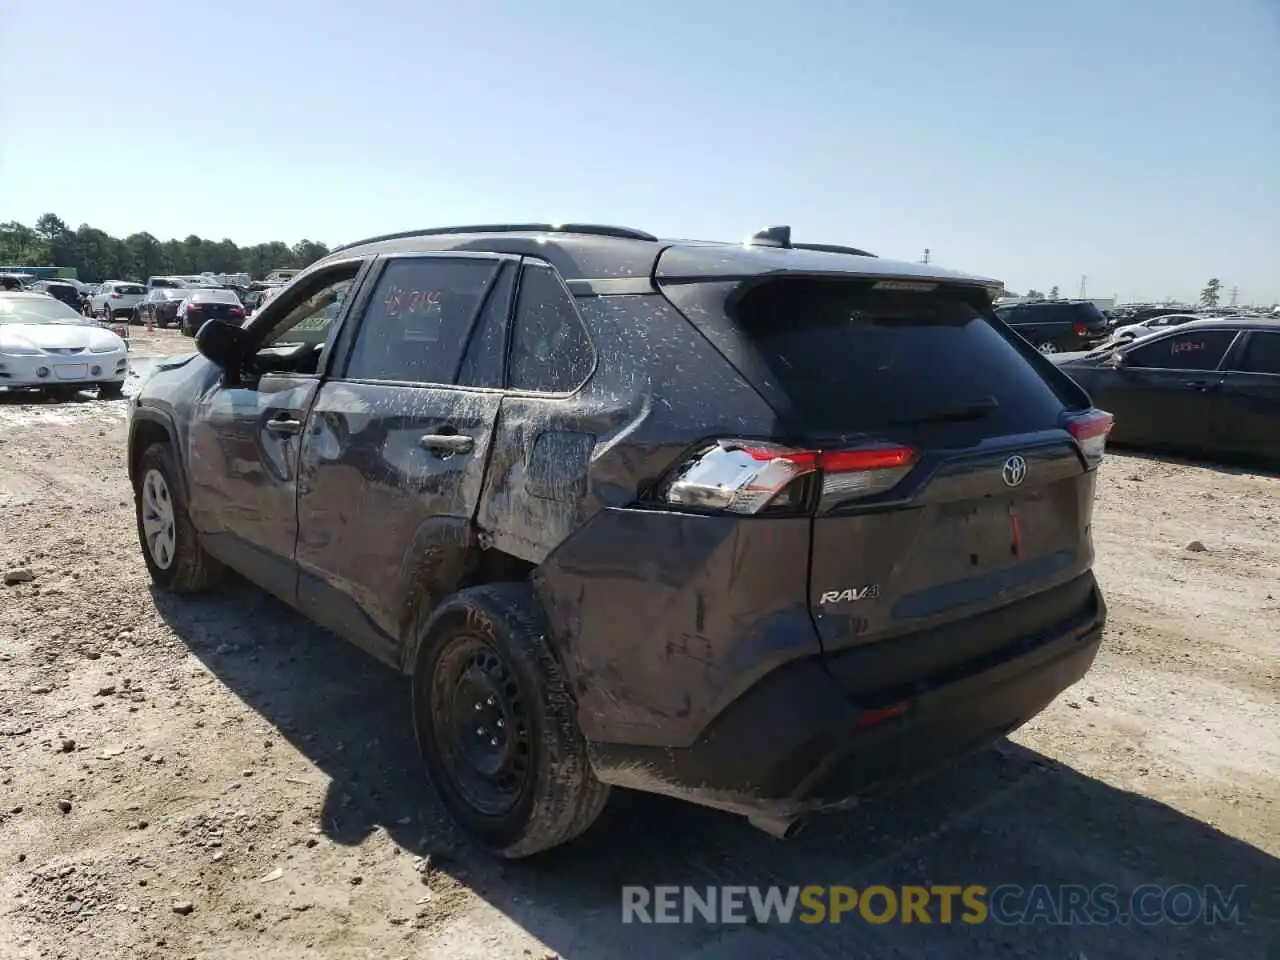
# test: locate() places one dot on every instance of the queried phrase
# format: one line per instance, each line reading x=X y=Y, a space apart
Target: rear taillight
x=751 y=477
x=237 y=312
x=1090 y=430
x=1082 y=330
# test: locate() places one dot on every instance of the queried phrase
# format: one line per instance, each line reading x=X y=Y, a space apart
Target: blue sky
x=1135 y=142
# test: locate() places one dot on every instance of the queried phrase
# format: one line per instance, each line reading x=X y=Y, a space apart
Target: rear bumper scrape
x=795 y=744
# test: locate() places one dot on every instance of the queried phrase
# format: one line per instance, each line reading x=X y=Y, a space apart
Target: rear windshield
x=855 y=359
x=215 y=296
x=157 y=282
x=130 y=290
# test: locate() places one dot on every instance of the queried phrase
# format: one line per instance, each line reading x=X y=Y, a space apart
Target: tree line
x=98 y=256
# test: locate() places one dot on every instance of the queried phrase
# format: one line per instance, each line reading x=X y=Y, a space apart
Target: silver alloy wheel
x=1048 y=348
x=157 y=518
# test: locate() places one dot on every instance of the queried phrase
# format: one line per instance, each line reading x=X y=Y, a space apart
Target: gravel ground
x=214 y=777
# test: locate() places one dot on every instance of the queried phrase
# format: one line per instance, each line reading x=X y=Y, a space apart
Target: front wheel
x=495 y=724
x=170 y=547
x=1048 y=348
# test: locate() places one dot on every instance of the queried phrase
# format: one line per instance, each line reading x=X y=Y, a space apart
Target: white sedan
x=1133 y=331
x=46 y=344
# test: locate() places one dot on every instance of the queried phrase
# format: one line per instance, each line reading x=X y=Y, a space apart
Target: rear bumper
x=796 y=743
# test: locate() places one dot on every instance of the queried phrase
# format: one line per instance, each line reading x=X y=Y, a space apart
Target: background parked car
x=1206 y=388
x=208 y=304
x=169 y=283
x=160 y=306
x=1056 y=326
x=60 y=290
x=1132 y=331
x=116 y=298
x=47 y=345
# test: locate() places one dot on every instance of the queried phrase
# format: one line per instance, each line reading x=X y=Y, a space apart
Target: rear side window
x=482 y=365
x=418 y=318
x=855 y=359
x=550 y=349
x=1261 y=353
x=1195 y=350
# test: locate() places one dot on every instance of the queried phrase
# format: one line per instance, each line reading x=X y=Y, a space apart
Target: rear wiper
x=969 y=411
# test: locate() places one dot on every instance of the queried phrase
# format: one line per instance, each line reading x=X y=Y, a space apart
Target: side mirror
x=1118 y=360
x=222 y=342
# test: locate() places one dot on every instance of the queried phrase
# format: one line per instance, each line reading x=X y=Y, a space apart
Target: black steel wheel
x=483 y=731
x=496 y=724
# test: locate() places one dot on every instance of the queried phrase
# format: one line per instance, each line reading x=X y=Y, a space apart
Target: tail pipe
x=784 y=828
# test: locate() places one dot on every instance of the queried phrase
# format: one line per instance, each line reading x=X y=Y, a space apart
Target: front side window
x=550 y=349
x=418 y=318
x=307 y=323
x=1195 y=350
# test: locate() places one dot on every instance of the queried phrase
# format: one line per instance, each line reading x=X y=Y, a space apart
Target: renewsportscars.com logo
x=1008 y=904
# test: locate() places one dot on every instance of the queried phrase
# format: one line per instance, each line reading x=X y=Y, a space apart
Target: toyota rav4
x=763 y=526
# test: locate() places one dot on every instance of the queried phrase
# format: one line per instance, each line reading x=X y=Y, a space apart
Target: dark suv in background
x=1057 y=326
x=761 y=526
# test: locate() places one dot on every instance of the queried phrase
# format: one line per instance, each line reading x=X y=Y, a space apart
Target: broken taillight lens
x=752 y=477
x=1090 y=430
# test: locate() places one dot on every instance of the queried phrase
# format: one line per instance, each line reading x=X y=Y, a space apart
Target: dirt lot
x=216 y=778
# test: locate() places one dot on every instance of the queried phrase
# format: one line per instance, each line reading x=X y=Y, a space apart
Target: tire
x=188 y=568
x=112 y=390
x=494 y=639
x=1048 y=347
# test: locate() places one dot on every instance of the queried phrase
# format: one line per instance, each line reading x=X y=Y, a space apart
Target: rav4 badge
x=869 y=592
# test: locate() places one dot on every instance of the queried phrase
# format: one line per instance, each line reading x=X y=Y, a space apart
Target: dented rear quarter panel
x=660 y=618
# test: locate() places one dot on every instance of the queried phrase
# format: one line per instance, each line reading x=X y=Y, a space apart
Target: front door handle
x=285 y=426
x=447 y=443
x=1196 y=385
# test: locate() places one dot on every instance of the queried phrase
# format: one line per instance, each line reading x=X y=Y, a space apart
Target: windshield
x=37 y=310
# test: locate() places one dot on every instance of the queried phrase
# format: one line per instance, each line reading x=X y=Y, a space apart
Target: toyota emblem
x=1014 y=471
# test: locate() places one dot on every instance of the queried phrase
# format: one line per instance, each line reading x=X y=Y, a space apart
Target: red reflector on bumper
x=869 y=718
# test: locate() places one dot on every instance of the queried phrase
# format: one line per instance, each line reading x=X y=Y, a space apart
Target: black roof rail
x=832 y=248
x=587 y=229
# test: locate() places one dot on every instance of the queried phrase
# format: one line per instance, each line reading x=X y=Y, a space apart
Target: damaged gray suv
x=763 y=526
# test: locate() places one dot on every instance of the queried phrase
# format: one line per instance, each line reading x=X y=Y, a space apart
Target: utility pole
x=925 y=258
x=1235 y=294
x=1083 y=286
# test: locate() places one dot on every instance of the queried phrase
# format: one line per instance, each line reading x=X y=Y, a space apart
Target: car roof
x=1229 y=323
x=598 y=254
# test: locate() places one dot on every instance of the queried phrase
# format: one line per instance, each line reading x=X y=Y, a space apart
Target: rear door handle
x=285 y=426
x=447 y=443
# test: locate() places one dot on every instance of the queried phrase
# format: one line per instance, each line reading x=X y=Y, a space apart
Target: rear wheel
x=495 y=724
x=172 y=552
x=1048 y=348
